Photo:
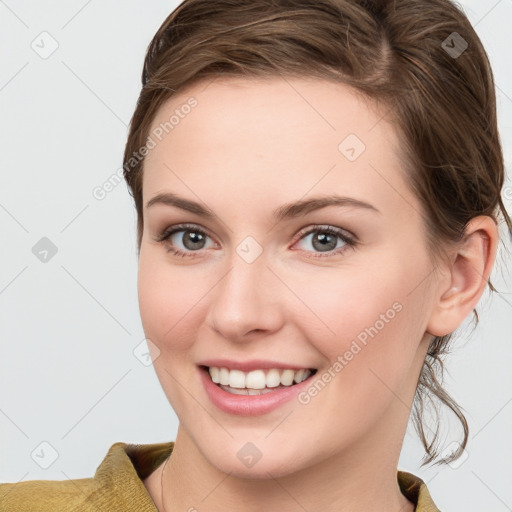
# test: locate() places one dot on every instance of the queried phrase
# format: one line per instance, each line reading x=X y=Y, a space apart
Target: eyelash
x=349 y=241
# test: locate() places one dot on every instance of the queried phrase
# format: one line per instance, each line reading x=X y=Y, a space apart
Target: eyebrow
x=286 y=211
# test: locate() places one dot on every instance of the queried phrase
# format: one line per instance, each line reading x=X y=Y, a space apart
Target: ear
x=466 y=276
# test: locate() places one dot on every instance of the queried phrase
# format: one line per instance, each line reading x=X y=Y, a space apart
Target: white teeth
x=223 y=376
x=245 y=391
x=257 y=379
x=254 y=380
x=287 y=377
x=273 y=378
x=237 y=379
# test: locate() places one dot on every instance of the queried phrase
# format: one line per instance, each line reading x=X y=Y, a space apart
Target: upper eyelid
x=328 y=227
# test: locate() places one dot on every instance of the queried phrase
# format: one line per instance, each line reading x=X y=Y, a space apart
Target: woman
x=317 y=186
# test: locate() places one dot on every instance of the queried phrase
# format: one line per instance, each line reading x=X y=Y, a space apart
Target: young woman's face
x=260 y=279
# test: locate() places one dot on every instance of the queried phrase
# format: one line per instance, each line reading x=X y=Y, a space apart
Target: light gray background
x=69 y=327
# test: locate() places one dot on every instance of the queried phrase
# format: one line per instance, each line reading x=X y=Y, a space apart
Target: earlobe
x=468 y=275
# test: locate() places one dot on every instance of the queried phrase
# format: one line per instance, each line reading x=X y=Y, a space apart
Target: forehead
x=275 y=134
x=223 y=105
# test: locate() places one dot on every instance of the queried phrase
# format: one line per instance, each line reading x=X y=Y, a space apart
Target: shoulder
x=416 y=491
x=116 y=485
x=45 y=495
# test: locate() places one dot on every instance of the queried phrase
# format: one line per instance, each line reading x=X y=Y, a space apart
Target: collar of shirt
x=118 y=485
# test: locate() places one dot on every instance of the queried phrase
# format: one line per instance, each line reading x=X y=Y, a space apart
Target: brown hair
x=409 y=55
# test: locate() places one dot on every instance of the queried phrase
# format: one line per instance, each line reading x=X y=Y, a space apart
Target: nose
x=246 y=301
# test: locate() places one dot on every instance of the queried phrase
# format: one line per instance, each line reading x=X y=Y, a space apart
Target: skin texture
x=248 y=147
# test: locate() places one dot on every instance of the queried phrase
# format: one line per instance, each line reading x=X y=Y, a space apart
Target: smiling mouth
x=256 y=382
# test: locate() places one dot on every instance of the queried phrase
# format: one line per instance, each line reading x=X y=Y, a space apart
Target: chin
x=249 y=462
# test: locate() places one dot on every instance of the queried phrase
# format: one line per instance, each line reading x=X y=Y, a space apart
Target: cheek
x=370 y=318
x=342 y=304
x=169 y=302
x=377 y=329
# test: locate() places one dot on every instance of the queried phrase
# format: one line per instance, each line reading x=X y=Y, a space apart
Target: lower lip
x=249 y=405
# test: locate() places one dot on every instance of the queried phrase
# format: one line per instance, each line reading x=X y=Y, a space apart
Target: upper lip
x=254 y=364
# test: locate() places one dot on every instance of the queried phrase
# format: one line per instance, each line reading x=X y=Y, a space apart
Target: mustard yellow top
x=117 y=486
